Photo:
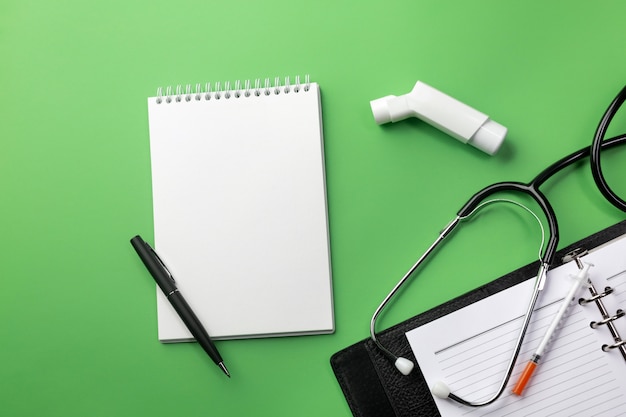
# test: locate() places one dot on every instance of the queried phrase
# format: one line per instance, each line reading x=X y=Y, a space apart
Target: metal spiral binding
x=215 y=92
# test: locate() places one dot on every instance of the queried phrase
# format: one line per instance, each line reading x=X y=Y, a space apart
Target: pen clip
x=158 y=258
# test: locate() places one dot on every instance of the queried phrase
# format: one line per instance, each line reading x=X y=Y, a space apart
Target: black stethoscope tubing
x=532 y=188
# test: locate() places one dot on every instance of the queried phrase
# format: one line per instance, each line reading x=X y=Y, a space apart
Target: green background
x=77 y=309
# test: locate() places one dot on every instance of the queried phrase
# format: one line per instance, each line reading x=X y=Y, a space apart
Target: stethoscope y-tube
x=404 y=365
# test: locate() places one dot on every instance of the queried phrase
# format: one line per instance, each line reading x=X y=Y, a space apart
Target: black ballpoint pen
x=166 y=282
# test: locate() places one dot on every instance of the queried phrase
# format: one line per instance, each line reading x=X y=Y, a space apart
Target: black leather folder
x=370 y=382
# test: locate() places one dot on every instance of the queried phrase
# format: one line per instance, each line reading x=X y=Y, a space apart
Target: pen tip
x=223 y=368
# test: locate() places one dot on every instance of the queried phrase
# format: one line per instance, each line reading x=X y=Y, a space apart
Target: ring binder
x=584 y=301
x=217 y=93
x=607 y=319
x=596 y=324
x=373 y=387
x=616 y=345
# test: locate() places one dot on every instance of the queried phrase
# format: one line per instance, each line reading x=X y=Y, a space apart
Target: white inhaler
x=443 y=112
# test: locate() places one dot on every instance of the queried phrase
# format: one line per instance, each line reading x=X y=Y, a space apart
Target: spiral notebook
x=467 y=342
x=240 y=213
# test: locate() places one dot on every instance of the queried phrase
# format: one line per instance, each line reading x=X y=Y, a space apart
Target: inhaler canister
x=443 y=112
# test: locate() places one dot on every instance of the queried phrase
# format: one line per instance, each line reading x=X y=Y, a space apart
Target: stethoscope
x=547 y=253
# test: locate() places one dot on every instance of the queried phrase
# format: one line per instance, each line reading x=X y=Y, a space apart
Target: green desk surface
x=77 y=312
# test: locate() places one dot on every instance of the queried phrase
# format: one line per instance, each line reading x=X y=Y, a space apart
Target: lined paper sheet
x=470 y=348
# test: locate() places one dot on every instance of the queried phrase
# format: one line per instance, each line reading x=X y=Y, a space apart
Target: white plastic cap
x=380 y=110
x=404 y=365
x=489 y=137
x=440 y=390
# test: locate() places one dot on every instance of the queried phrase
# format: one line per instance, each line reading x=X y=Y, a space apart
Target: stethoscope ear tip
x=404 y=365
x=440 y=390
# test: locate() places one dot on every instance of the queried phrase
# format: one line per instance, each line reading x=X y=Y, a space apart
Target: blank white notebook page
x=240 y=214
x=469 y=349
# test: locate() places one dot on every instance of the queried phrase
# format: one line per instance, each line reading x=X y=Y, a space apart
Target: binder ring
x=607 y=348
x=618 y=314
x=585 y=301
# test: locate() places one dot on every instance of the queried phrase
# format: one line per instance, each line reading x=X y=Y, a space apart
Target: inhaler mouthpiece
x=443 y=112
